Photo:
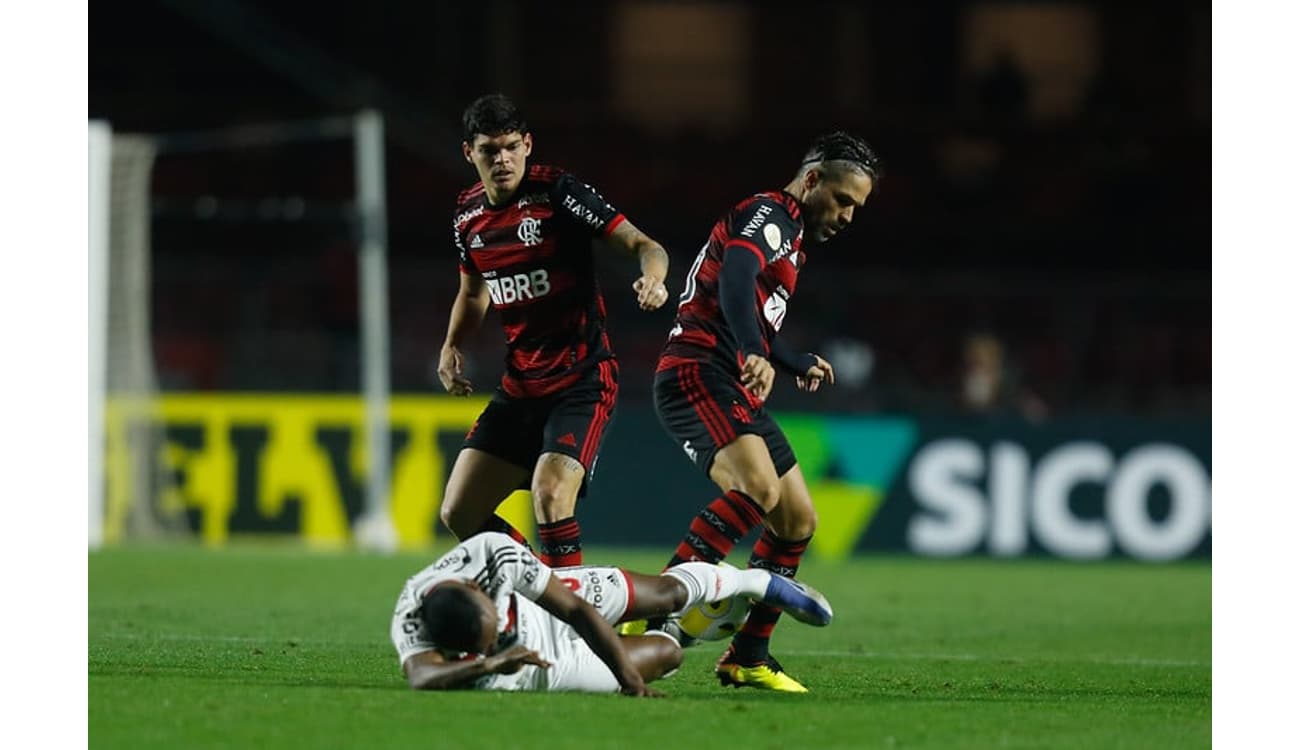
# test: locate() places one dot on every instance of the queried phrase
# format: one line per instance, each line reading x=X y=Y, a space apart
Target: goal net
x=131 y=495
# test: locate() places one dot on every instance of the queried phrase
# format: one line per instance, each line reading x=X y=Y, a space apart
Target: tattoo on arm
x=565 y=462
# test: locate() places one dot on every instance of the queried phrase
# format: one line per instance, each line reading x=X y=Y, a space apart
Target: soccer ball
x=713 y=621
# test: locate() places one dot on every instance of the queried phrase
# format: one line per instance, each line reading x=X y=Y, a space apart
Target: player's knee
x=452 y=518
x=765 y=490
x=794 y=522
x=552 y=498
x=671 y=655
x=803 y=526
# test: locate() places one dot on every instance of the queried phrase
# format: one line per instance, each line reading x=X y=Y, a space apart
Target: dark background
x=1045 y=214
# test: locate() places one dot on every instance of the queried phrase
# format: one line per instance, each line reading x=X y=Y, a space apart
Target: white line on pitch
x=895 y=656
x=913 y=656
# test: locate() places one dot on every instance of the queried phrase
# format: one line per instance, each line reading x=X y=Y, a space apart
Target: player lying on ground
x=490 y=615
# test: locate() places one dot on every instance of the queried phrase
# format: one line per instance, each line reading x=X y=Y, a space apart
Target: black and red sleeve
x=763 y=227
x=466 y=262
x=584 y=205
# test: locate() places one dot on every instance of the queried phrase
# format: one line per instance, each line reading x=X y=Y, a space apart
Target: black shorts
x=572 y=422
x=705 y=409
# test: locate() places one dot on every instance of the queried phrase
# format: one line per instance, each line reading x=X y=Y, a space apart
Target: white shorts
x=574 y=666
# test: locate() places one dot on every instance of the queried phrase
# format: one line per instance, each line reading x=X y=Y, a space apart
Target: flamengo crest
x=530 y=231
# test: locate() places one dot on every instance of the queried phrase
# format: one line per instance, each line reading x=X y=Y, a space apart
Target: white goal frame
x=374 y=529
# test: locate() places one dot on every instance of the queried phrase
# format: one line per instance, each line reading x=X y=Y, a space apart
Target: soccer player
x=525 y=235
x=490 y=615
x=718 y=368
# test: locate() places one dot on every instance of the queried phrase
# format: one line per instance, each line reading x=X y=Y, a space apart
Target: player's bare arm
x=467 y=314
x=429 y=670
x=583 y=618
x=650 y=290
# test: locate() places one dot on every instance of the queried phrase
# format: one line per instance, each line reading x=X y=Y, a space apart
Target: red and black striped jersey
x=534 y=252
x=769 y=226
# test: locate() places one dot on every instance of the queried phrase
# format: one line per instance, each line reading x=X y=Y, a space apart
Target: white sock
x=706 y=582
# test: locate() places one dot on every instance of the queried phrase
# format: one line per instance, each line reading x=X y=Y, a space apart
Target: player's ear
x=812 y=178
x=528 y=144
x=467 y=150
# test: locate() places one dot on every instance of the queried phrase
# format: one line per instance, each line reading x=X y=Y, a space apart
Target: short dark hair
x=452 y=618
x=844 y=147
x=491 y=115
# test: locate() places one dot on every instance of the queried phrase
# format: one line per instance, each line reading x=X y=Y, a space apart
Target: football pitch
x=278 y=647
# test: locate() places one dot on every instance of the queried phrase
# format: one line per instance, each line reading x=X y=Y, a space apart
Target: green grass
x=265 y=647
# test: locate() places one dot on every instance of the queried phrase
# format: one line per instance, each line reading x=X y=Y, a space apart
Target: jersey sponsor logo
x=531 y=568
x=476 y=242
x=772 y=233
x=531 y=198
x=508 y=289
x=757 y=221
x=461 y=219
x=581 y=212
x=595 y=589
x=774 y=310
x=530 y=231
x=460 y=559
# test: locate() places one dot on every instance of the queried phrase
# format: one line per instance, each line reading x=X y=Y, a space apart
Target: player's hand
x=651 y=293
x=812 y=380
x=514 y=659
x=451 y=365
x=757 y=375
x=640 y=690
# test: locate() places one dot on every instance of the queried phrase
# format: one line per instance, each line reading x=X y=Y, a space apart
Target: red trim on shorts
x=631 y=593
x=604 y=409
x=704 y=402
x=694 y=399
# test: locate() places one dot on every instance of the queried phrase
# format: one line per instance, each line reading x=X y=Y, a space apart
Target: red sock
x=560 y=543
x=779 y=557
x=717 y=529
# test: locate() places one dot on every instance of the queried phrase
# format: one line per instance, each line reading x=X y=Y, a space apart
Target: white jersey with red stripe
x=513 y=578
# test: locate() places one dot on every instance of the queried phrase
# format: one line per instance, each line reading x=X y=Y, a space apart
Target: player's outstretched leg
x=799 y=600
x=690 y=584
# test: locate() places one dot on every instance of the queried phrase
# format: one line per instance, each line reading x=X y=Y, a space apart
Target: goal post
x=122 y=377
x=374 y=530
x=100 y=153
